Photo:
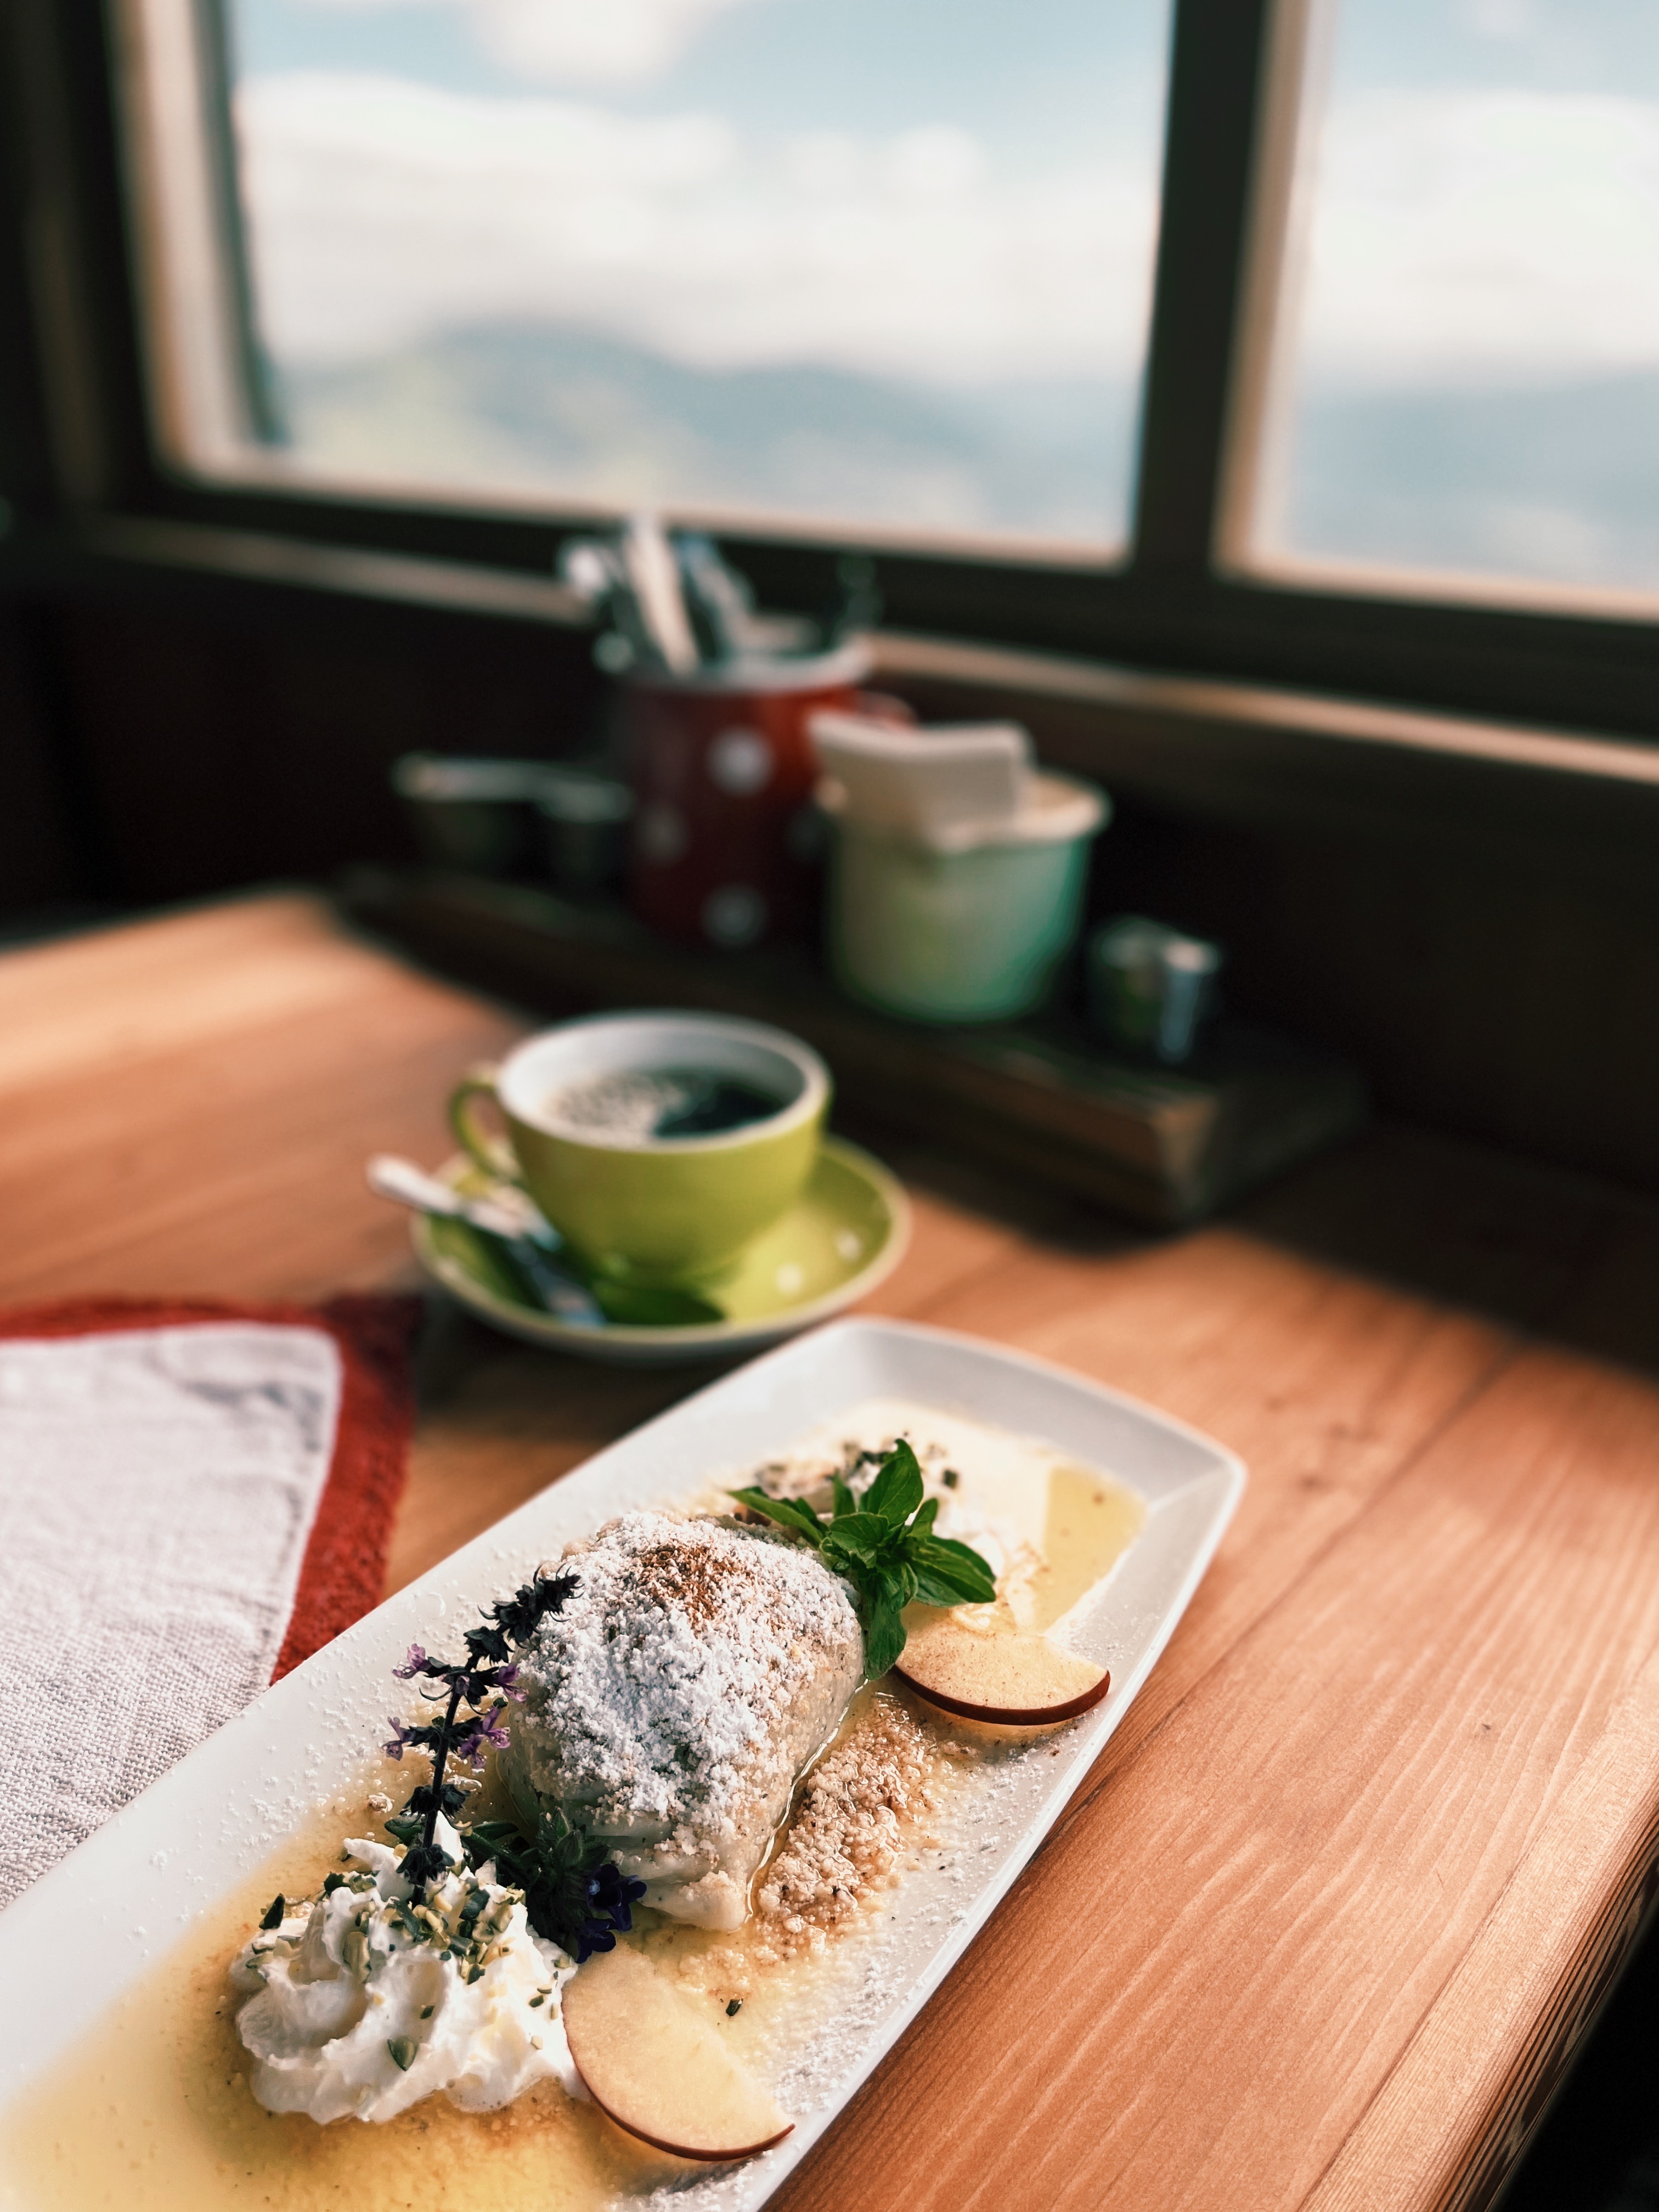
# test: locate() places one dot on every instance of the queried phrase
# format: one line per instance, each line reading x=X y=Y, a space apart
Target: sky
x=949 y=191
x=953 y=191
x=1485 y=196
x=960 y=197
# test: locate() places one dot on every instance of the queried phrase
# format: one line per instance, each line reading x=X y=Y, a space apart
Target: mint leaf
x=884 y=1635
x=897 y=1489
x=861 y=1536
x=886 y=1547
x=935 y=1589
x=787 y=1512
x=651 y=1305
x=949 y=1573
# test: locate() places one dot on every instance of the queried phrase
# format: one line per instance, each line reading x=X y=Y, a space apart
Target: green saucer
x=846 y=1233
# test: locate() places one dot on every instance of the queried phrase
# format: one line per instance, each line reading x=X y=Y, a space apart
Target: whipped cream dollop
x=363 y=2001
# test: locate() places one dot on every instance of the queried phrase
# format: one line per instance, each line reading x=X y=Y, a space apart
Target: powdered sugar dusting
x=674 y=1699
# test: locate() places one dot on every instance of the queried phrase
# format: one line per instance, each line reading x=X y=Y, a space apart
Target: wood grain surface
x=1348 y=1882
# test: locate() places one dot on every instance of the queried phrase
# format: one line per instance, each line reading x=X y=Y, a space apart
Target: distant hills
x=1561 y=484
x=526 y=406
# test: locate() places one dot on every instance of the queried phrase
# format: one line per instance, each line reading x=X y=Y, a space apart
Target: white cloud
x=1500 y=19
x=383 y=210
x=1471 y=237
x=576 y=41
x=592 y=42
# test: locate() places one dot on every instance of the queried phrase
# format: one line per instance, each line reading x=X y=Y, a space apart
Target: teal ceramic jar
x=972 y=926
x=654 y=1210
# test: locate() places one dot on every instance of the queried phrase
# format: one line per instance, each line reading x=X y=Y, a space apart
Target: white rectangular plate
x=89 y=1929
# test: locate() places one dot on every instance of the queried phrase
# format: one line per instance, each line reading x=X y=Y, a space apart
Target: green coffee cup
x=650 y=1209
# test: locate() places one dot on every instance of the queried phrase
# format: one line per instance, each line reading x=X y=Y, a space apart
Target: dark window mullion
x=1209 y=148
x=213 y=36
x=70 y=212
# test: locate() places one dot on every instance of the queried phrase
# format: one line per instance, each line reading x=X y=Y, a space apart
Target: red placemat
x=344 y=1563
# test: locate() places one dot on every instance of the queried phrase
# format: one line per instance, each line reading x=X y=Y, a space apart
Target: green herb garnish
x=884 y=1545
x=574 y=1894
x=275 y=1911
x=650 y=1305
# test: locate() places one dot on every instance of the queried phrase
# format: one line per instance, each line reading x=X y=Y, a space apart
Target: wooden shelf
x=1043 y=1097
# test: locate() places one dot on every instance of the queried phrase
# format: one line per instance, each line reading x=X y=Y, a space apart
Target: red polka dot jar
x=723 y=847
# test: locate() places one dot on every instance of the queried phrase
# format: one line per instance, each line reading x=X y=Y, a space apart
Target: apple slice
x=659 y=2068
x=1000 y=1676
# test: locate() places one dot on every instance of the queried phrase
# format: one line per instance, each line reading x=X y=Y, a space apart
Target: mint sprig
x=885 y=1546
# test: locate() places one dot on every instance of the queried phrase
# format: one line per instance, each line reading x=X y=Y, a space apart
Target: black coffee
x=714 y=1103
x=649 y=1105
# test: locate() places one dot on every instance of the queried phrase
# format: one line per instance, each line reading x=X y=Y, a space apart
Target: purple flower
x=395 y=1748
x=482 y=1729
x=416 y=1663
x=505 y=1681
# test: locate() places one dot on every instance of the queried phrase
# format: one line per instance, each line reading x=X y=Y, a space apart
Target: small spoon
x=529 y=1239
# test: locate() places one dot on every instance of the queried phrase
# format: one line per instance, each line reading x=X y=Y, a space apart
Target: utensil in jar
x=653 y=577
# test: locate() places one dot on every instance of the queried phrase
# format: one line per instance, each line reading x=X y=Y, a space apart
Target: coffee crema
x=644 y=1106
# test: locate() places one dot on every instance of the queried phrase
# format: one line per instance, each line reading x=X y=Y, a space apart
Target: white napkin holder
x=936 y=785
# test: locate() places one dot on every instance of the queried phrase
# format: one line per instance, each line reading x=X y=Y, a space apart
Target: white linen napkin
x=157 y=1488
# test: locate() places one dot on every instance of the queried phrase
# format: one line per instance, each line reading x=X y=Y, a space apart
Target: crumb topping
x=849 y=1836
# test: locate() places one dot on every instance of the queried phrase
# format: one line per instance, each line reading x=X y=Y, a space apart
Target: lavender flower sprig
x=574 y=1894
x=487 y=1680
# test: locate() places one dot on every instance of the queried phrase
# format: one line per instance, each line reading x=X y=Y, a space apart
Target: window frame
x=1180 y=603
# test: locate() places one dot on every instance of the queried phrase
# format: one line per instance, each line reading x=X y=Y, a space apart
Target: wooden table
x=1349 y=1881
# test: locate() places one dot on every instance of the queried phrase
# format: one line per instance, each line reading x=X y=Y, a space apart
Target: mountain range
x=1557 y=484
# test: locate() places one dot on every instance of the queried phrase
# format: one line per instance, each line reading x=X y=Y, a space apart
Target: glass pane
x=886 y=262
x=1470 y=379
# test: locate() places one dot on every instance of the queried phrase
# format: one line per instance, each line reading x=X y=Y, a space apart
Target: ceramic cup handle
x=492 y=1153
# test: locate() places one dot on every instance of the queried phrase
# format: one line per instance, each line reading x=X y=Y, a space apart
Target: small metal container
x=1151 y=987
x=583 y=815
x=478 y=815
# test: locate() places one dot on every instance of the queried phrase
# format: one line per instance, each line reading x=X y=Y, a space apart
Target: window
x=854 y=264
x=1466 y=379
x=1295 y=341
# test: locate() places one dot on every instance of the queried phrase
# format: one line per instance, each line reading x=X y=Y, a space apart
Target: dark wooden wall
x=42 y=867
x=164 y=751
x=230 y=748
x=1497 y=997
